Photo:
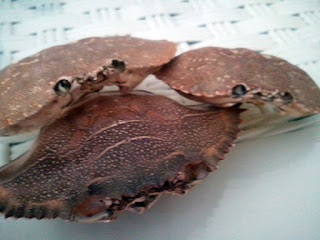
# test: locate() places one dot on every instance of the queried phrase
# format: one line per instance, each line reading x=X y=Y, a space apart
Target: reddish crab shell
x=29 y=87
x=225 y=77
x=112 y=153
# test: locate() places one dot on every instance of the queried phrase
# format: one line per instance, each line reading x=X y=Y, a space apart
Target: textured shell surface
x=224 y=77
x=114 y=152
x=27 y=87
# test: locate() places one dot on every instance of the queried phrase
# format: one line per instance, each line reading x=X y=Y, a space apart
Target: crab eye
x=120 y=66
x=62 y=88
x=239 y=91
x=287 y=98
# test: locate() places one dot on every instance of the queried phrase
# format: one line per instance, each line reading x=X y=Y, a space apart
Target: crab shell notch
x=38 y=88
x=224 y=77
x=115 y=152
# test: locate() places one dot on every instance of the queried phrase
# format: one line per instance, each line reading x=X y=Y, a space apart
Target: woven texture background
x=274 y=198
x=286 y=28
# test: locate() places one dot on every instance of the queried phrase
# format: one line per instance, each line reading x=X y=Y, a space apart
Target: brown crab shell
x=27 y=98
x=209 y=75
x=113 y=153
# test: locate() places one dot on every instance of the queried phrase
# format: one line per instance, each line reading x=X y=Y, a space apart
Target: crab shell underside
x=37 y=89
x=112 y=153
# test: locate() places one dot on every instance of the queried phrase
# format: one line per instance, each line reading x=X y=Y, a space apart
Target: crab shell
x=113 y=153
x=213 y=75
x=27 y=96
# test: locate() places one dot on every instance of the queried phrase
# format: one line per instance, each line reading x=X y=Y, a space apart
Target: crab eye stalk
x=239 y=91
x=120 y=66
x=62 y=88
x=80 y=80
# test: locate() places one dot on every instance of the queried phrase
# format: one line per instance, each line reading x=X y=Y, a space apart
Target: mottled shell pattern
x=101 y=153
x=115 y=152
x=224 y=77
x=28 y=88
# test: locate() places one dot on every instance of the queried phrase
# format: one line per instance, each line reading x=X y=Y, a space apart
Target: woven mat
x=286 y=28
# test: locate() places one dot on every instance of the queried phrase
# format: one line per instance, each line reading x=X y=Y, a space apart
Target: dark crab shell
x=113 y=153
x=225 y=77
x=28 y=99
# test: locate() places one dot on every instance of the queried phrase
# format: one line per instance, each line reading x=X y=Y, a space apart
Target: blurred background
x=267 y=188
